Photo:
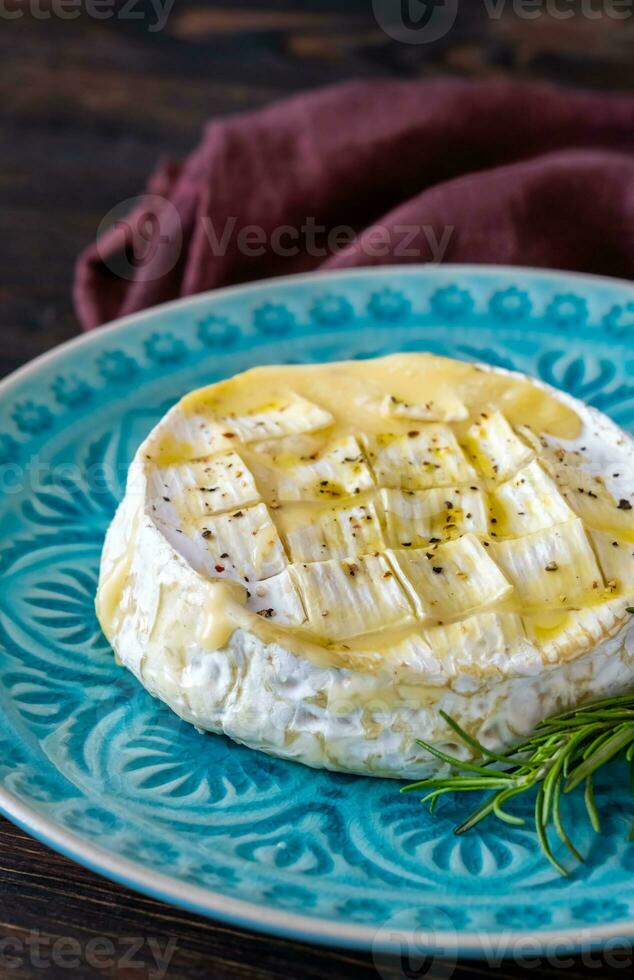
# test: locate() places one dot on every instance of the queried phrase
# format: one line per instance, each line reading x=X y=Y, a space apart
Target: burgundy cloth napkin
x=395 y=172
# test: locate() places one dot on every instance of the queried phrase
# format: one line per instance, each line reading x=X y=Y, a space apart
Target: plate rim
x=291 y=925
x=214 y=904
x=427 y=269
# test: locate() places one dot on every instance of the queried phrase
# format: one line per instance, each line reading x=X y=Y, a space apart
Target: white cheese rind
x=268 y=698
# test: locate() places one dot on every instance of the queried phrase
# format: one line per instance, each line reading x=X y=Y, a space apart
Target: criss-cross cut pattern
x=459 y=527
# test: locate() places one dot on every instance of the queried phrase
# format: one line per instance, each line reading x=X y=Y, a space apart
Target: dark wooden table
x=86 y=108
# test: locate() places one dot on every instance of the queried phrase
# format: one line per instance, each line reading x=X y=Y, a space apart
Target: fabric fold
x=368 y=173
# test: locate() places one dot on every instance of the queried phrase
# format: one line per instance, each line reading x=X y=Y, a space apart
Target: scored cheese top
x=385 y=510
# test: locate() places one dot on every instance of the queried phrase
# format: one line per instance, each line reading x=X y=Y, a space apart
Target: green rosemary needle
x=564 y=751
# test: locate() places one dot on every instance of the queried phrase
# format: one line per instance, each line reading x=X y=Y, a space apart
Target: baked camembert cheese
x=316 y=560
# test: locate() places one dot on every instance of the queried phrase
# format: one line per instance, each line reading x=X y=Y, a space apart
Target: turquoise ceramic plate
x=96 y=768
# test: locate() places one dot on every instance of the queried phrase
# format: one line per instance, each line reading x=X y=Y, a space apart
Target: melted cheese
x=114 y=580
x=350 y=390
x=313 y=420
x=223 y=613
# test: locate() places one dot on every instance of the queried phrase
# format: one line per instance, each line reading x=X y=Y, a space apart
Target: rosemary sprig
x=565 y=751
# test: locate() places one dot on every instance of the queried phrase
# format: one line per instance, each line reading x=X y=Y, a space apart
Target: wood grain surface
x=86 y=108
